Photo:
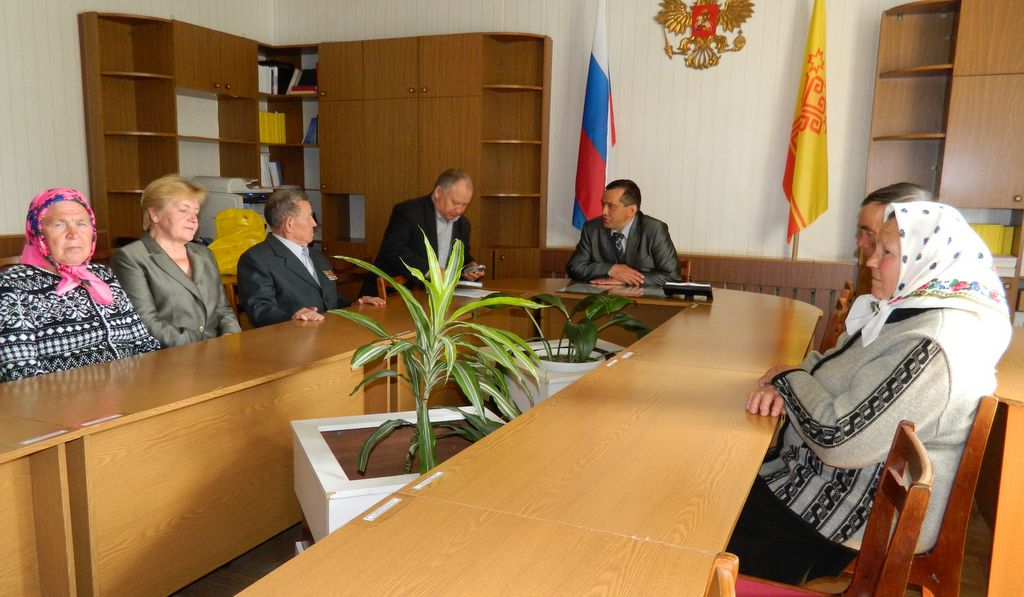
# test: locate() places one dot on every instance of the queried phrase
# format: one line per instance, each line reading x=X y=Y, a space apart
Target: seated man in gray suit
x=280 y=278
x=624 y=246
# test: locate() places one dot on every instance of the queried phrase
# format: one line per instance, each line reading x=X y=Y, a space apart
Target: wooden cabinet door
x=450 y=65
x=515 y=263
x=342 y=164
x=449 y=137
x=237 y=72
x=193 y=48
x=390 y=68
x=988 y=38
x=340 y=71
x=390 y=158
x=982 y=167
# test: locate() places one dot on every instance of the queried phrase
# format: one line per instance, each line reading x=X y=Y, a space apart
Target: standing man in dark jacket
x=624 y=246
x=439 y=216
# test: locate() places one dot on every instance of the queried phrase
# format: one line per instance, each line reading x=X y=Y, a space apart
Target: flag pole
x=796 y=245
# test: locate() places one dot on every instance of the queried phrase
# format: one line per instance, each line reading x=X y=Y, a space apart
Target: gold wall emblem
x=705 y=45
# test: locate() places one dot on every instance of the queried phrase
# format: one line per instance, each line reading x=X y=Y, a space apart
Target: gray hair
x=283 y=203
x=901 y=192
x=451 y=176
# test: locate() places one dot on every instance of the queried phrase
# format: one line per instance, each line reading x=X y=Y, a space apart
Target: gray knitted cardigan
x=931 y=367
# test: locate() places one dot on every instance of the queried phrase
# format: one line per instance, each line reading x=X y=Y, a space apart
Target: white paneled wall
x=706 y=147
x=42 y=124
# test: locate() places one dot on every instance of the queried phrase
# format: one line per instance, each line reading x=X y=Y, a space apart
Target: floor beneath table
x=235 y=576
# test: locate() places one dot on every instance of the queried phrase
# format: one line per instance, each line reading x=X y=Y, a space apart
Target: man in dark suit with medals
x=280 y=278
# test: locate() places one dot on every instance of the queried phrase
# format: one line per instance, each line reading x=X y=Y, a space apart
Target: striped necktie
x=620 y=246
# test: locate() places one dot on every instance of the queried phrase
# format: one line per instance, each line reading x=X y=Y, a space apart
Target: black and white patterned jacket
x=41 y=332
x=927 y=366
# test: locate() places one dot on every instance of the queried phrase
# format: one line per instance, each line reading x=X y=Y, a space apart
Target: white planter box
x=553 y=376
x=329 y=498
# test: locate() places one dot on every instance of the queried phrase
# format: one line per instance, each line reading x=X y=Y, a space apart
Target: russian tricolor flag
x=598 y=135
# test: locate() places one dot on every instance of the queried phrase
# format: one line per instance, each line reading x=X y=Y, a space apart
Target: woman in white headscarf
x=922 y=346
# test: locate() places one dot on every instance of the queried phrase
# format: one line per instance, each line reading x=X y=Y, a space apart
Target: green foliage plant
x=444 y=346
x=582 y=324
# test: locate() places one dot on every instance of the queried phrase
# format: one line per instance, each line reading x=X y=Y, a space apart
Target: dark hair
x=901 y=192
x=451 y=176
x=284 y=203
x=630 y=192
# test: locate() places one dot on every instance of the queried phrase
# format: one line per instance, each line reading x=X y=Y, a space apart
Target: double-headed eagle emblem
x=705 y=45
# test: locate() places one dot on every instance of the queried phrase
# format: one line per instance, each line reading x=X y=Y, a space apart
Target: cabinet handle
x=323 y=186
x=411 y=90
x=323 y=94
x=1016 y=198
x=501 y=258
x=423 y=89
x=228 y=86
x=216 y=85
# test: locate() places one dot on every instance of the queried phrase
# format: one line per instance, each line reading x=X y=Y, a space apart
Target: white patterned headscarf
x=943 y=264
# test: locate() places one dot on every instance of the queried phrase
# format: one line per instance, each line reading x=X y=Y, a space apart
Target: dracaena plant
x=582 y=324
x=445 y=345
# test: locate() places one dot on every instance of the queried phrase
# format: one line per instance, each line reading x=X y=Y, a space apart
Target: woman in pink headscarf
x=57 y=310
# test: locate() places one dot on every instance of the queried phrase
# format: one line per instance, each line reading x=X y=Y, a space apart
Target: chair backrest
x=382 y=285
x=8 y=261
x=836 y=320
x=894 y=524
x=939 y=569
x=722 y=582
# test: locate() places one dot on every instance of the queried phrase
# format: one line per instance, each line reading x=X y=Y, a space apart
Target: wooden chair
x=382 y=285
x=887 y=550
x=722 y=582
x=938 y=571
x=837 y=319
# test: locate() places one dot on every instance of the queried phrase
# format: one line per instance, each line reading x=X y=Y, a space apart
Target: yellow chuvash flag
x=805 y=181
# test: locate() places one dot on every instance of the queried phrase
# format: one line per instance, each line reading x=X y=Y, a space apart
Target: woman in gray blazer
x=173 y=282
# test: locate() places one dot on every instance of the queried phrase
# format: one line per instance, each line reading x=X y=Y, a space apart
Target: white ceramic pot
x=555 y=375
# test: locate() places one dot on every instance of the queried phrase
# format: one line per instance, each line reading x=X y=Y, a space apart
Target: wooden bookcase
x=166 y=96
x=949 y=100
x=131 y=131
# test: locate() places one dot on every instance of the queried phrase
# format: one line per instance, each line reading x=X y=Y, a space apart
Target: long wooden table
x=648 y=457
x=167 y=465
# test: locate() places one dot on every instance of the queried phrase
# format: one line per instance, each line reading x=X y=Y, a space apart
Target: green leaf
x=368 y=354
x=500 y=301
x=466 y=378
x=382 y=431
x=363 y=320
x=426 y=439
x=374 y=377
x=583 y=336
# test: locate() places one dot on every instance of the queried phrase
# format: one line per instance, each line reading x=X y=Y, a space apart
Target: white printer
x=226 y=193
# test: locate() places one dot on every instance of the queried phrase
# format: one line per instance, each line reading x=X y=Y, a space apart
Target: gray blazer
x=176 y=309
x=649 y=250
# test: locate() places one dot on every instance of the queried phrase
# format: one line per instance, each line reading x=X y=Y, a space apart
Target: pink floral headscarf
x=37 y=253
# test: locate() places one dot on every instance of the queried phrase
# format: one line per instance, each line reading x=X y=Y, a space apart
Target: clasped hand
x=766 y=400
x=619 y=274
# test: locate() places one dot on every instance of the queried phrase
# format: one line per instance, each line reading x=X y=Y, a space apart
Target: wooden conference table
x=138 y=476
x=628 y=481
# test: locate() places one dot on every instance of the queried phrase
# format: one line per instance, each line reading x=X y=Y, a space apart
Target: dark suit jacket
x=273 y=284
x=649 y=250
x=176 y=309
x=403 y=240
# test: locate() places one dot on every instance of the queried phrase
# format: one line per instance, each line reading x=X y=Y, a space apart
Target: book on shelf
x=266 y=78
x=281 y=75
x=275 y=173
x=311 y=132
x=265 y=170
x=272 y=128
x=306 y=84
x=1005 y=265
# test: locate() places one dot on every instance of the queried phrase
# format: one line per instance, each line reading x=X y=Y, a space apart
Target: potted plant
x=577 y=349
x=445 y=345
